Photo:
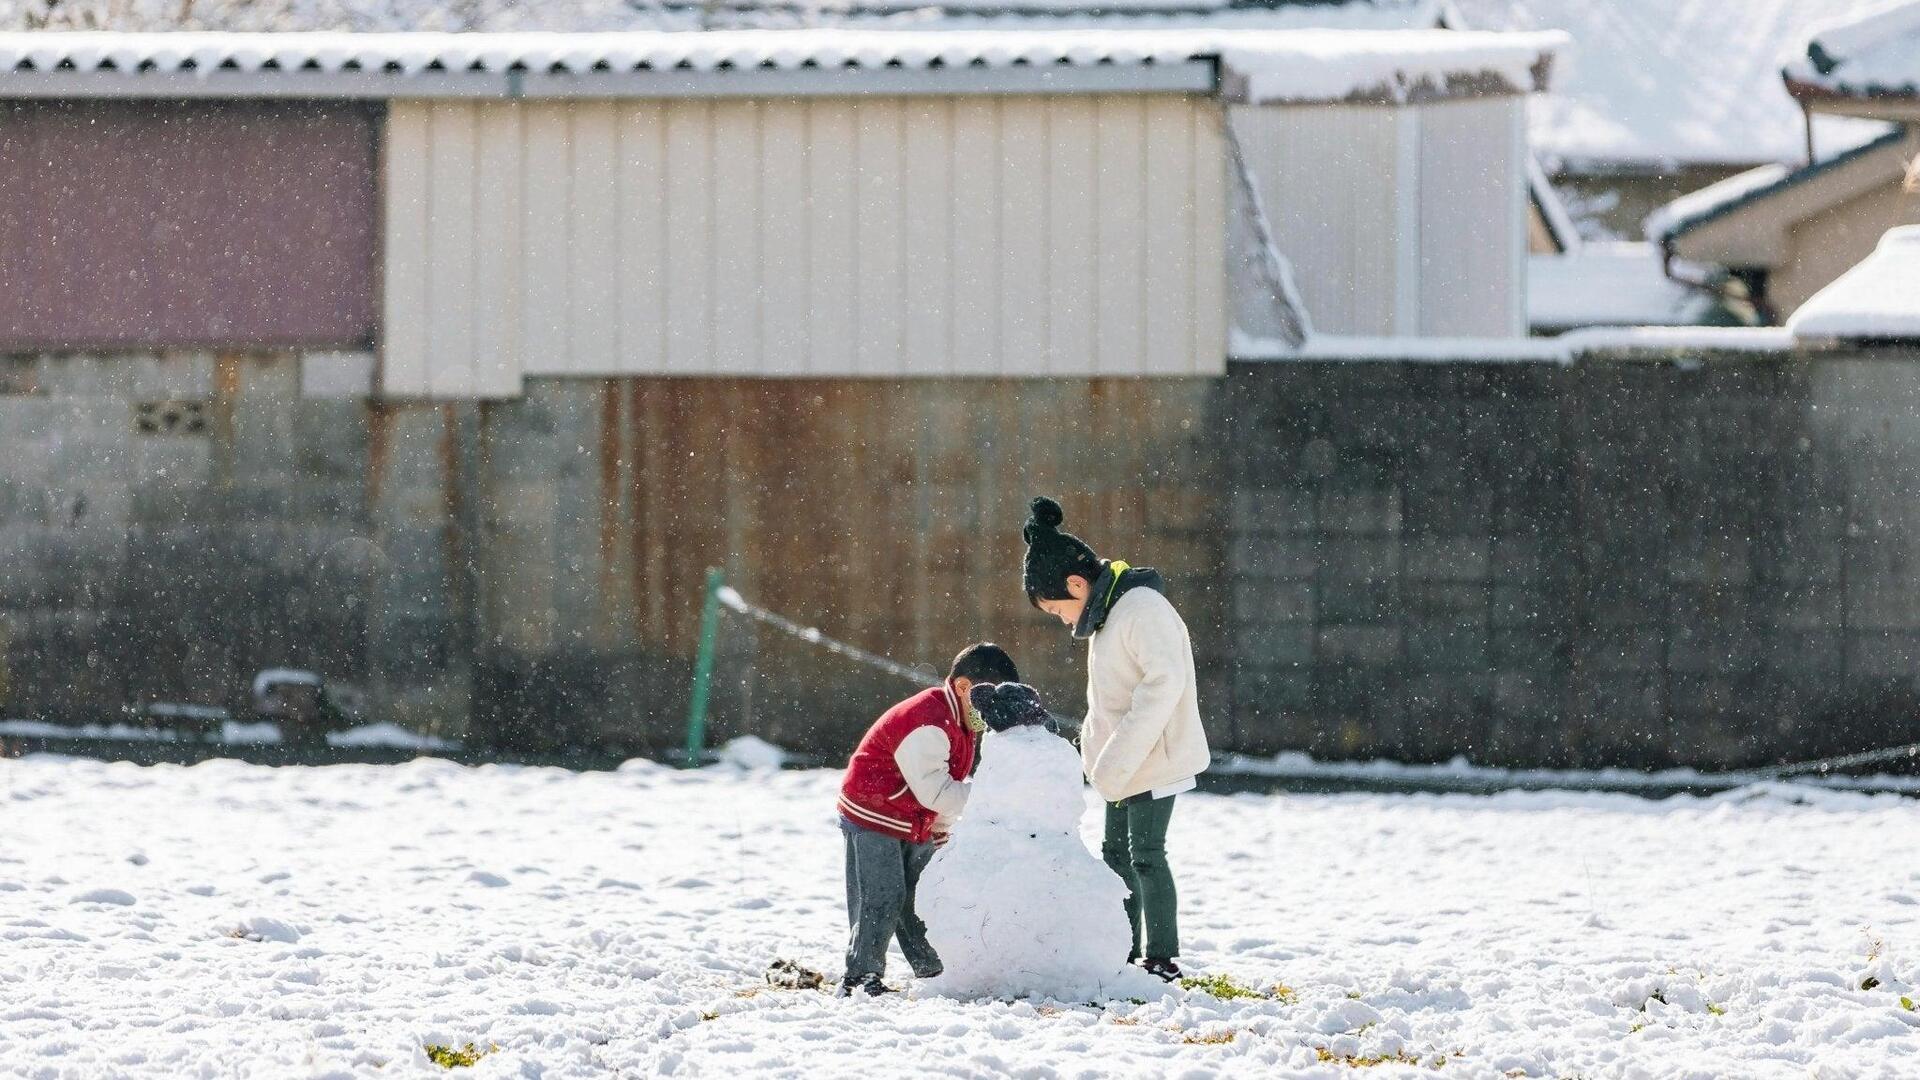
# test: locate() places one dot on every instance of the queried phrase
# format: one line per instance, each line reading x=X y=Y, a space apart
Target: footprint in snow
x=491 y=881
x=119 y=897
x=692 y=883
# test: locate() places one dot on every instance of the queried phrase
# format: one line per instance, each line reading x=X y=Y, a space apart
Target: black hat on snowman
x=1008 y=705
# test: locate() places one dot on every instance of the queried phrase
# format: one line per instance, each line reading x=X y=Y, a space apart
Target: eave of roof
x=1268 y=65
x=1675 y=220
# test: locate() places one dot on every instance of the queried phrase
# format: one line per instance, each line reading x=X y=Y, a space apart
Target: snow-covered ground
x=227 y=920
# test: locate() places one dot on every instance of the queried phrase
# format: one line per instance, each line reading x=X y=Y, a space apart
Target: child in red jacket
x=906 y=783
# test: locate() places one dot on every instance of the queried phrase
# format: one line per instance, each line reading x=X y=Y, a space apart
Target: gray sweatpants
x=881 y=875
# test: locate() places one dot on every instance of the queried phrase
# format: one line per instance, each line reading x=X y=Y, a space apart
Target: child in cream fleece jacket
x=1142 y=742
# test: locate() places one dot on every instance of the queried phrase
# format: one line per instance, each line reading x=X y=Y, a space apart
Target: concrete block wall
x=1642 y=560
x=172 y=522
x=1687 y=559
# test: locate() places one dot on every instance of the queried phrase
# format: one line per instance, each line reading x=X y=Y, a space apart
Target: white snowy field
x=227 y=920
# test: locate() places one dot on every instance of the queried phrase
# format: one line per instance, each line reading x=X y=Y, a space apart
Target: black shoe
x=870 y=985
x=930 y=974
x=1165 y=970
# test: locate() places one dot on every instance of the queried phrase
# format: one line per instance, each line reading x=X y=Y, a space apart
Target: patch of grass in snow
x=1717 y=1010
x=450 y=1057
x=1906 y=1003
x=1216 y=1038
x=1224 y=987
x=1365 y=1061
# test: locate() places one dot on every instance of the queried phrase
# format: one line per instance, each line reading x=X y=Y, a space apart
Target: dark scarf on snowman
x=1116 y=580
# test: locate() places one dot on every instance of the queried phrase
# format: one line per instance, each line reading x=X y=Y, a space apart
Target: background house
x=1785 y=233
x=1661 y=98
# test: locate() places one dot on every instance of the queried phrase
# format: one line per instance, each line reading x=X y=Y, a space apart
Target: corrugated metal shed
x=887 y=236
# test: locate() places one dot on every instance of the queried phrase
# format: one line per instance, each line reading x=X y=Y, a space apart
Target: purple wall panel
x=152 y=224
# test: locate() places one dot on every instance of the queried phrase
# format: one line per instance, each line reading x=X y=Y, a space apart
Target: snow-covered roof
x=1609 y=284
x=604 y=15
x=1874 y=55
x=1701 y=206
x=1715 y=201
x=1654 y=83
x=1878 y=299
x=1276 y=65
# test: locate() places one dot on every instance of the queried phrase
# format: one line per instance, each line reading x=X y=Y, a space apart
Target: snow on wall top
x=1653 y=83
x=1303 y=65
x=1880 y=298
x=1609 y=284
x=1876 y=55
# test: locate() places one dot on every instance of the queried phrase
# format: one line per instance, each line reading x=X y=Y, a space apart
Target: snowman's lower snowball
x=1015 y=903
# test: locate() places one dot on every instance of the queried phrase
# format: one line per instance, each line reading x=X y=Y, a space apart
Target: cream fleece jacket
x=1143 y=710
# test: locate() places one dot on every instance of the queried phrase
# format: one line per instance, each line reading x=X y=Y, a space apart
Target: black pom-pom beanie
x=1005 y=706
x=1052 y=554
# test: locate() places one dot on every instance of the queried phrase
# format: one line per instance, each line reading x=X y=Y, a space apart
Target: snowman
x=1014 y=903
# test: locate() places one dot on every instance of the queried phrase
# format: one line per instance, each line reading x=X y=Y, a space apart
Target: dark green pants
x=1135 y=846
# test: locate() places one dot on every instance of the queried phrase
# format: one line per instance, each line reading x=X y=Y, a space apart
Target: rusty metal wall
x=173 y=224
x=885 y=513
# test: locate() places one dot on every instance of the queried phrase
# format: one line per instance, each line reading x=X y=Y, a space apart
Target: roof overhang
x=1185 y=77
x=1752 y=226
x=1901 y=105
x=1257 y=66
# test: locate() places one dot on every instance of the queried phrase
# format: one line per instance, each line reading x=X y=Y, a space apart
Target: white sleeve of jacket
x=1153 y=639
x=923 y=758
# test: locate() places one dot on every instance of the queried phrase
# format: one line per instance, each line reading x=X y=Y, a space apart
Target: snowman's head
x=1009 y=705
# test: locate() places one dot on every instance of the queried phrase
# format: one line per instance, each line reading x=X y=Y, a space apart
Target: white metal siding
x=1027 y=236
x=1472 y=219
x=1398 y=221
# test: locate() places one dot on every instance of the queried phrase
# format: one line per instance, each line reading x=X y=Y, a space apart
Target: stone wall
x=173 y=522
x=1632 y=559
x=1629 y=560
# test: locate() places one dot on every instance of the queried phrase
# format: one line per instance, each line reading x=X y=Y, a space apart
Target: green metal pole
x=703 y=669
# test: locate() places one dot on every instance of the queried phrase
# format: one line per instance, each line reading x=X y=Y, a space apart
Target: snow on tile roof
x=1303 y=65
x=1609 y=284
x=1880 y=298
x=1875 y=55
x=1651 y=83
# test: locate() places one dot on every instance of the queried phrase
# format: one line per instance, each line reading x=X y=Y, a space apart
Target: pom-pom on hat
x=1052 y=554
x=1008 y=705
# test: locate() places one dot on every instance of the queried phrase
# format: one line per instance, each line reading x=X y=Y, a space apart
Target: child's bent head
x=1060 y=568
x=983 y=662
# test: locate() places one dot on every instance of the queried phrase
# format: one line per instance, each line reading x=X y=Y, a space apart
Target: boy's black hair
x=1053 y=556
x=984 y=662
